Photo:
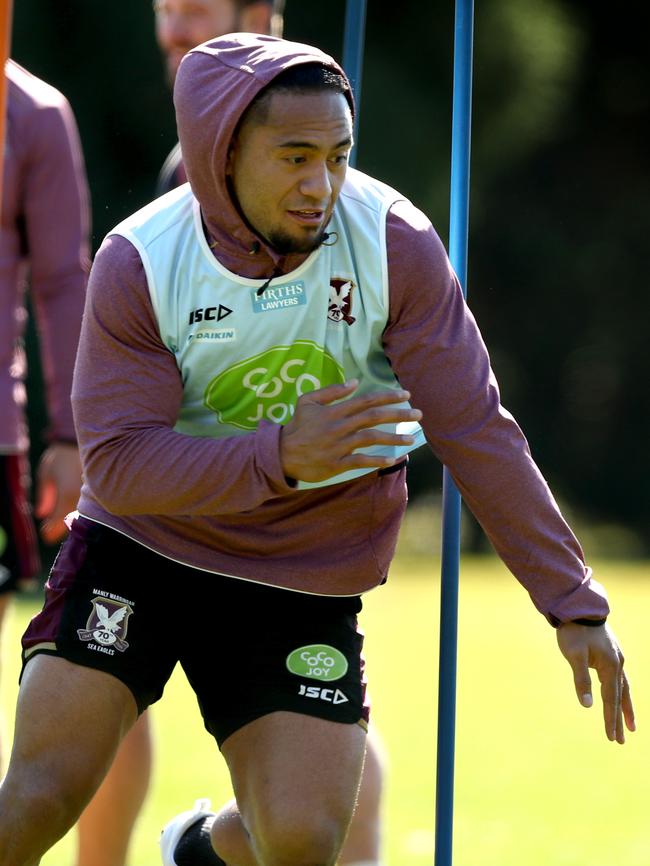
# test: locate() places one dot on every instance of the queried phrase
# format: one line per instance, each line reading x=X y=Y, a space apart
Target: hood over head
x=215 y=84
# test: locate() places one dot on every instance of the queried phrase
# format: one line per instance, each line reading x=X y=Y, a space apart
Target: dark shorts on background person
x=19 y=557
x=247 y=649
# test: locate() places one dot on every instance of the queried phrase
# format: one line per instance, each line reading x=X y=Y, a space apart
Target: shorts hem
x=227 y=730
x=51 y=649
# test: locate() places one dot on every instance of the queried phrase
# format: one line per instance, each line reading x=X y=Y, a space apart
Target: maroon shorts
x=19 y=559
x=246 y=649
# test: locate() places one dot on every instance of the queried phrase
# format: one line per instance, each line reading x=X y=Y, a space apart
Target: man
x=239 y=398
x=44 y=243
x=180 y=26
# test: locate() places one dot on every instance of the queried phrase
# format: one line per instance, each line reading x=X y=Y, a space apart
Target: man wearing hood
x=180 y=26
x=251 y=346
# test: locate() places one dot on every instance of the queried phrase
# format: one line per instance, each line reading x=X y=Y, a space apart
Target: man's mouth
x=307 y=216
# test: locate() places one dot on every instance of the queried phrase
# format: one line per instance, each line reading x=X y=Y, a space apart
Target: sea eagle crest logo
x=340 y=303
x=107 y=624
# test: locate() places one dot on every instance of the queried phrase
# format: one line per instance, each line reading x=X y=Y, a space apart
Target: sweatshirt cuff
x=587 y=601
x=268 y=457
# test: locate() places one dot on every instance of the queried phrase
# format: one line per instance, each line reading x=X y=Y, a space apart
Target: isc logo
x=332 y=696
x=209 y=314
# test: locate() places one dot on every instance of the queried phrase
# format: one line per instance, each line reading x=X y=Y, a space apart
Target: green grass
x=537 y=783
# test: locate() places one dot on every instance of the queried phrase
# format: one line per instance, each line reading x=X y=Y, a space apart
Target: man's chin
x=287 y=244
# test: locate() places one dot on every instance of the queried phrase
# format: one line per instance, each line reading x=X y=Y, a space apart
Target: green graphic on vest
x=268 y=385
x=318 y=661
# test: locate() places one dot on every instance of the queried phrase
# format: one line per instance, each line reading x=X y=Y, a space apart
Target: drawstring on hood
x=215 y=84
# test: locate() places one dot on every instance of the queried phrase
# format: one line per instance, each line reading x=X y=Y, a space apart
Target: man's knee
x=298 y=840
x=35 y=812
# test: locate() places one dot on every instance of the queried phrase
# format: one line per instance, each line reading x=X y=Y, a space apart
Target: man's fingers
x=626 y=704
x=582 y=680
x=354 y=405
x=610 y=676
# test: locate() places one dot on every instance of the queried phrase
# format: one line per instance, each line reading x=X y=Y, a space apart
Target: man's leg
x=363 y=843
x=295 y=780
x=69 y=722
x=106 y=824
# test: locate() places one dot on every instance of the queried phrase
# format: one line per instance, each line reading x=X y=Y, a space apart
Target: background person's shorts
x=247 y=649
x=19 y=557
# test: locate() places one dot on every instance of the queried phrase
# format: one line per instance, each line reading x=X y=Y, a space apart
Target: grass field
x=537 y=783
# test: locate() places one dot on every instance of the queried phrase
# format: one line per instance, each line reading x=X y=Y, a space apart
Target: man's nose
x=317 y=183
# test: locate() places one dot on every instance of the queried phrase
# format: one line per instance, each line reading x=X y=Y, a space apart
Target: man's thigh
x=296 y=779
x=258 y=650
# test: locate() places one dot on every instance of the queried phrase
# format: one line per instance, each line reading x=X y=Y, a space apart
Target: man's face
x=287 y=166
x=183 y=24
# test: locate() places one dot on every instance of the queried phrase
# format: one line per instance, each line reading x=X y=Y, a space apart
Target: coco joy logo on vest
x=267 y=386
x=280 y=297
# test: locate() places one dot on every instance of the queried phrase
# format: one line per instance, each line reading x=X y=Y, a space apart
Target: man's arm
x=57 y=226
x=438 y=354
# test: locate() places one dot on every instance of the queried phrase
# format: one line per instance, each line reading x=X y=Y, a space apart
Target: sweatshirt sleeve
x=126 y=396
x=437 y=353
x=56 y=209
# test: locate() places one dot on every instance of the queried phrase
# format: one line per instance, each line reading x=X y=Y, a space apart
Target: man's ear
x=256 y=18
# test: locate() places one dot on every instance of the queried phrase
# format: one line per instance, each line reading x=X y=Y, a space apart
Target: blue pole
x=353 y=43
x=450 y=566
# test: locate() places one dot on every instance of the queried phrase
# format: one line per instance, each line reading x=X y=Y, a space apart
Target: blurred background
x=560 y=218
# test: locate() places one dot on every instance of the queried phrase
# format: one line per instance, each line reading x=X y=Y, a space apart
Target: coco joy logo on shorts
x=318 y=662
x=267 y=386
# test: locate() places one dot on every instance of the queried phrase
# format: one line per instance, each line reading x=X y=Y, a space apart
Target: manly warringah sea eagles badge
x=107 y=624
x=340 y=302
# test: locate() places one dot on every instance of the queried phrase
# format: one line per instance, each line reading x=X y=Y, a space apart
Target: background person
x=183 y=24
x=44 y=247
x=233 y=520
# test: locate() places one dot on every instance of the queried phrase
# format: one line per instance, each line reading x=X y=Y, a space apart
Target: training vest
x=245 y=355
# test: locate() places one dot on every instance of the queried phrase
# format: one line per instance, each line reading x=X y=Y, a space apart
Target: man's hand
x=587 y=647
x=58 y=480
x=320 y=439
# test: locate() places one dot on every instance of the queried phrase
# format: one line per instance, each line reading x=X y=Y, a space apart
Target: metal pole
x=5 y=43
x=450 y=567
x=353 y=43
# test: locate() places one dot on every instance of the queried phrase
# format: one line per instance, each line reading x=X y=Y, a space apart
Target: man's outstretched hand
x=587 y=647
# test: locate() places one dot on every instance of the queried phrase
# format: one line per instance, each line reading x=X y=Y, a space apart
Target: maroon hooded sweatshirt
x=223 y=505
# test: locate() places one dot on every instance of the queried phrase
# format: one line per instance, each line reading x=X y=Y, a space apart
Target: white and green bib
x=245 y=355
